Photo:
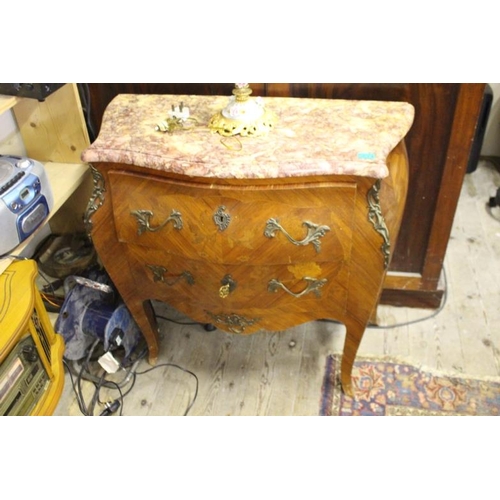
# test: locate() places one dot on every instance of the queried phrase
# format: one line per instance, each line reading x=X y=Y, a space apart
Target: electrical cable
x=50 y=300
x=87 y=375
x=182 y=369
x=95 y=397
x=77 y=387
x=109 y=406
x=79 y=379
x=84 y=373
x=419 y=320
x=108 y=384
x=49 y=284
x=81 y=404
x=426 y=318
x=100 y=382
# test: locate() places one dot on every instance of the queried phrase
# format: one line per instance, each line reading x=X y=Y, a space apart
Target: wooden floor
x=281 y=373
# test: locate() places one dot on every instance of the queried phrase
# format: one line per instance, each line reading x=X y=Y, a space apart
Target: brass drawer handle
x=144 y=216
x=314 y=233
x=313 y=285
x=160 y=272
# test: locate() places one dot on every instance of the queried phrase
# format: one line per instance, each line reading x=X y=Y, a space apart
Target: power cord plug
x=110 y=408
x=179 y=112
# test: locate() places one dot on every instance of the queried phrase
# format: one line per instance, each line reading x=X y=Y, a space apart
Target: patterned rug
x=388 y=388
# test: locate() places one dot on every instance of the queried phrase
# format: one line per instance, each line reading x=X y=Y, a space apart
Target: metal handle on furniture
x=314 y=233
x=144 y=216
x=160 y=275
x=313 y=285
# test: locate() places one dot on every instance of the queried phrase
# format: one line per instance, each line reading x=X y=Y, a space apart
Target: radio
x=31 y=353
x=25 y=199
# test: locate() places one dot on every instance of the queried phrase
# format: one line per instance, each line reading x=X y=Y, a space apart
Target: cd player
x=25 y=199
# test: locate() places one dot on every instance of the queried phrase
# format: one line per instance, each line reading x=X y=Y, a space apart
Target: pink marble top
x=311 y=137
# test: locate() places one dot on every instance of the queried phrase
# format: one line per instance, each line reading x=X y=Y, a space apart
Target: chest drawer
x=192 y=286
x=235 y=224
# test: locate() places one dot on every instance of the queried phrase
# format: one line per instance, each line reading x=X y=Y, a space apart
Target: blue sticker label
x=366 y=156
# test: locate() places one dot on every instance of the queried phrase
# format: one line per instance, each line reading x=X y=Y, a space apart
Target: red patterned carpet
x=389 y=388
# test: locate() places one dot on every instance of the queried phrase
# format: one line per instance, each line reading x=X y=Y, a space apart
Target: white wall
x=491 y=143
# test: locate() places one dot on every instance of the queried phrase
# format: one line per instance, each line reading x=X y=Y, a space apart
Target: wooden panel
x=53 y=130
x=455 y=167
x=7 y=102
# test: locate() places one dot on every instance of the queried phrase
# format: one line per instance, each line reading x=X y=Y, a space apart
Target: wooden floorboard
x=281 y=373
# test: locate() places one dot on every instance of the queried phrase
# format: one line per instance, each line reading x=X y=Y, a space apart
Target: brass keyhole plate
x=221 y=218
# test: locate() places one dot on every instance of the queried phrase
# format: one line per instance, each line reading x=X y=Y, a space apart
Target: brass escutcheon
x=221 y=218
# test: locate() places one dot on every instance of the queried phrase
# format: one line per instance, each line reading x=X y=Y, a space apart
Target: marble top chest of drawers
x=255 y=233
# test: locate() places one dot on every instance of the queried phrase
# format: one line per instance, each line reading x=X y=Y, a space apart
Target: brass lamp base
x=243 y=116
